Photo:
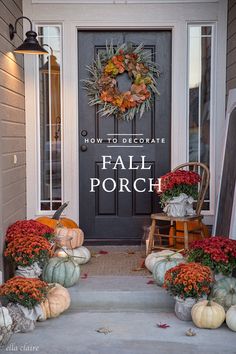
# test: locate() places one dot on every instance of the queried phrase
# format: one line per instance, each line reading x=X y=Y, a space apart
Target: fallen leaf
x=141 y=267
x=102 y=252
x=96 y=255
x=130 y=252
x=104 y=330
x=137 y=269
x=84 y=276
x=162 y=325
x=150 y=282
x=190 y=332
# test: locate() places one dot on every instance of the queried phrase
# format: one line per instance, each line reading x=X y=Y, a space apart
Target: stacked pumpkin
x=212 y=309
x=159 y=263
x=221 y=305
x=64 y=267
x=30 y=244
x=29 y=300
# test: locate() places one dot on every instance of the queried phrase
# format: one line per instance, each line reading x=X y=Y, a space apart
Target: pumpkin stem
x=170 y=255
x=209 y=303
x=58 y=212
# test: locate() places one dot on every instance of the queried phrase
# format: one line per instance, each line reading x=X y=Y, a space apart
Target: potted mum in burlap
x=179 y=189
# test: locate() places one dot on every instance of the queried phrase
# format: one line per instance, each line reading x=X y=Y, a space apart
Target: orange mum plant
x=189 y=280
x=25 y=250
x=24 y=291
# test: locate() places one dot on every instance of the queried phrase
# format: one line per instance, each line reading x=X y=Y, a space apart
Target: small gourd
x=208 y=314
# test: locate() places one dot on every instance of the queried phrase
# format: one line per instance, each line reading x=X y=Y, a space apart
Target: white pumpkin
x=5 y=318
x=208 y=314
x=231 y=318
x=81 y=255
x=152 y=258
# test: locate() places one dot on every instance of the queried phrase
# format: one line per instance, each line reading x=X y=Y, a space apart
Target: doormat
x=116 y=260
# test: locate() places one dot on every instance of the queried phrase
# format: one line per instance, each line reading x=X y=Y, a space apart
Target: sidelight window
x=50 y=118
x=200 y=58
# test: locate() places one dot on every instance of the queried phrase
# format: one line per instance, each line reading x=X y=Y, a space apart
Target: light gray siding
x=231 y=47
x=12 y=121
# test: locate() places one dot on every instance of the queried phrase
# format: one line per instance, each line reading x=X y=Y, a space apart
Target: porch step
x=119 y=293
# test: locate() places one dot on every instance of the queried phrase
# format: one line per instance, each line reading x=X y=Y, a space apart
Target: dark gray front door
x=118 y=217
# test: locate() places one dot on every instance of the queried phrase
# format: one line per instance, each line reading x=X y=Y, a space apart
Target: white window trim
x=38 y=197
x=213 y=25
x=73 y=18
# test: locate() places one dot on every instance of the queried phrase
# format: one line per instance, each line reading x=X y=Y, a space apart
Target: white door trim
x=157 y=16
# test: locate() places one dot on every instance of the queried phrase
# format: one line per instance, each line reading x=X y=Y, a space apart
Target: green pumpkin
x=224 y=292
x=160 y=268
x=61 y=270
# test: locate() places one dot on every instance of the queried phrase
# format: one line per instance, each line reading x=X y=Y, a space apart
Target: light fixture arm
x=12 y=29
x=47 y=45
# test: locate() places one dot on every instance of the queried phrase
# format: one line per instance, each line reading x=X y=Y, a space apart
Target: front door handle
x=83 y=148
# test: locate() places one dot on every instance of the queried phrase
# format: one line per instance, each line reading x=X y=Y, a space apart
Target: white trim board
x=153 y=16
x=231 y=105
x=115 y=2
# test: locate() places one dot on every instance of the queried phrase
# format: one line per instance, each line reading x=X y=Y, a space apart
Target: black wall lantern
x=30 y=44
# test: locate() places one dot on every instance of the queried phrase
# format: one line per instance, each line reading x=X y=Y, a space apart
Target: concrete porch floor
x=131 y=309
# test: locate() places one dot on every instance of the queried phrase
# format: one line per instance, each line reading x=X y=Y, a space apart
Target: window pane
x=199 y=85
x=50 y=118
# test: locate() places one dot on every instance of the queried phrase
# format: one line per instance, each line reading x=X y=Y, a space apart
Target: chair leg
x=185 y=235
x=151 y=237
x=202 y=233
x=173 y=228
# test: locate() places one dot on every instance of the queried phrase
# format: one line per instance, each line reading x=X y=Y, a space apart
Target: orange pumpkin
x=56 y=220
x=192 y=236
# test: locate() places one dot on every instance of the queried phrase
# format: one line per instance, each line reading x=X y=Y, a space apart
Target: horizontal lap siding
x=231 y=46
x=12 y=121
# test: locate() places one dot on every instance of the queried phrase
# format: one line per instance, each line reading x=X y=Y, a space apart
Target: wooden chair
x=203 y=186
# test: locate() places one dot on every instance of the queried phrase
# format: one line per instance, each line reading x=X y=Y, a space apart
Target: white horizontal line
x=125 y=146
x=124 y=134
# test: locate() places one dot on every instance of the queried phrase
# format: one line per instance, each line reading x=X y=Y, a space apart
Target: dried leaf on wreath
x=162 y=325
x=84 y=276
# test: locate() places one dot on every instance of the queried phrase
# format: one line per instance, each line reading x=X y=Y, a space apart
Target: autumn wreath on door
x=102 y=85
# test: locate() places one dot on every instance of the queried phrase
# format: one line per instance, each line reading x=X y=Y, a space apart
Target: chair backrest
x=203 y=171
